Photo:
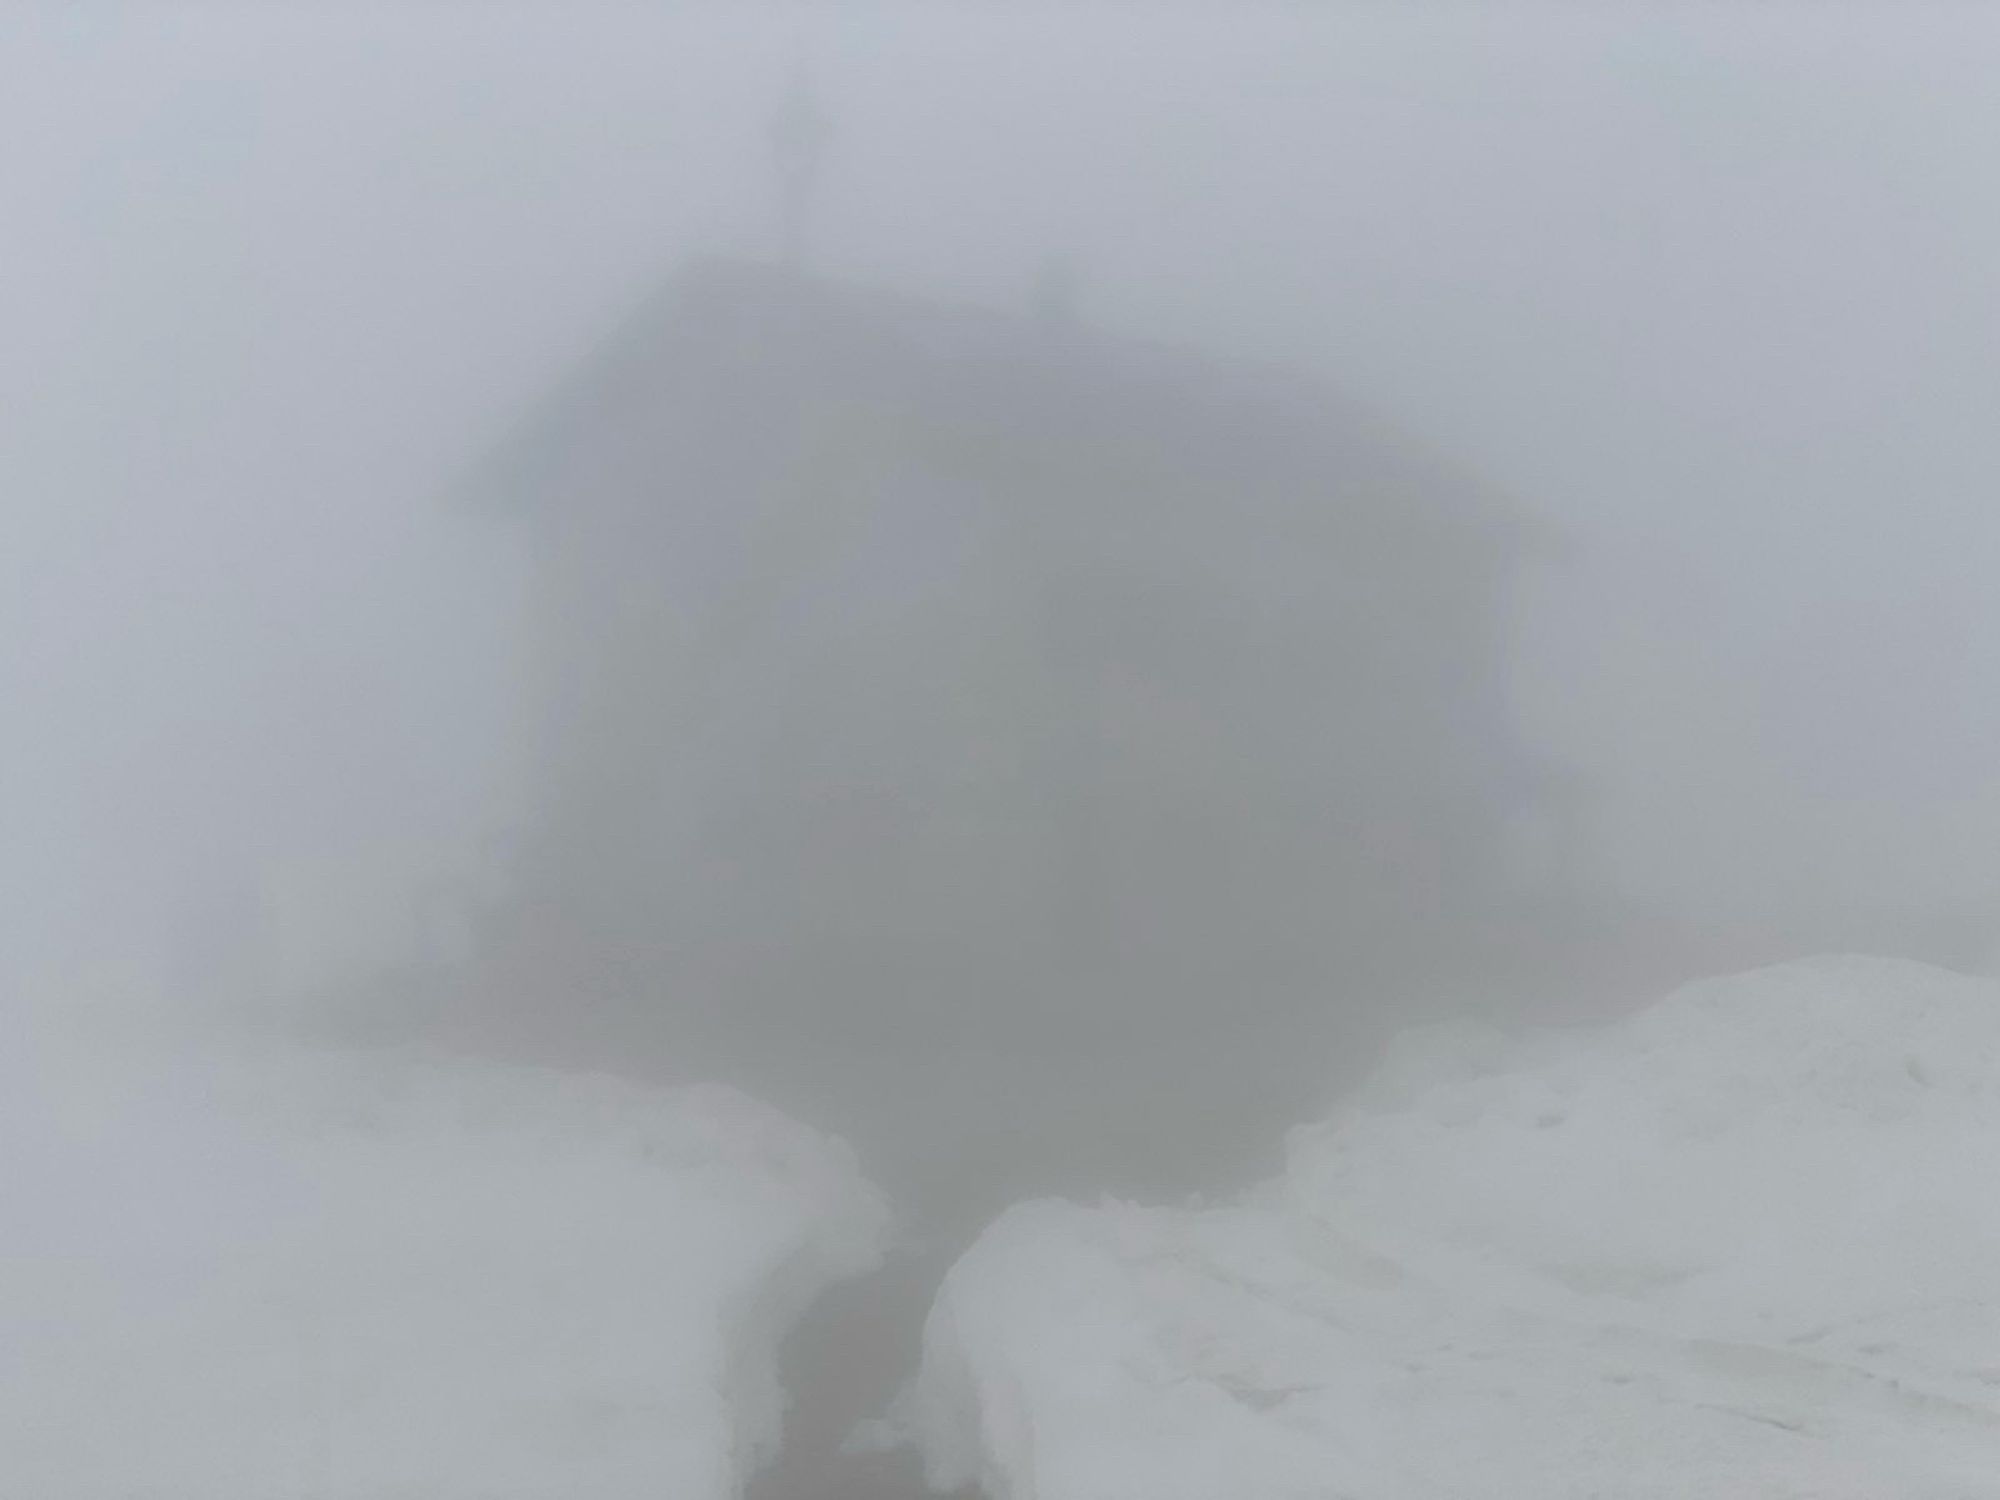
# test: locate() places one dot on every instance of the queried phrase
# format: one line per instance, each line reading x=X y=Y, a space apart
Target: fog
x=1702 y=297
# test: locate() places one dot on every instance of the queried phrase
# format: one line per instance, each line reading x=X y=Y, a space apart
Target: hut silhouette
x=945 y=676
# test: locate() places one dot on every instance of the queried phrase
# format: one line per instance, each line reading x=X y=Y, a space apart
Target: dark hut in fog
x=901 y=663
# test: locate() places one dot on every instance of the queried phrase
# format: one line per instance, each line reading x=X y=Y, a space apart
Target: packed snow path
x=262 y=1273
x=1745 y=1245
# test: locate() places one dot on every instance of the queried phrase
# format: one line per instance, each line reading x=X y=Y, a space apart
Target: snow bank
x=1746 y=1244
x=269 y=1273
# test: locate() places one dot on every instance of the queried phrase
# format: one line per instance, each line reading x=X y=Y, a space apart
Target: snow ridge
x=239 y=1272
x=1742 y=1244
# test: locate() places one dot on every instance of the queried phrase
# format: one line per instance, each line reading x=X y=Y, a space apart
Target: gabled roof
x=736 y=338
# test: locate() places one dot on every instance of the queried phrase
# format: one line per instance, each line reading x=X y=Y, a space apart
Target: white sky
x=1715 y=286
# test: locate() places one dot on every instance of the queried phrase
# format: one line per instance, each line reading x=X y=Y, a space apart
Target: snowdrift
x=262 y=1273
x=1744 y=1245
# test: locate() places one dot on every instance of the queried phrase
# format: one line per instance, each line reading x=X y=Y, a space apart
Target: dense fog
x=1708 y=287
x=809 y=545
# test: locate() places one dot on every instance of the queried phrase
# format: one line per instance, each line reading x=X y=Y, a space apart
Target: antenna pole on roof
x=799 y=134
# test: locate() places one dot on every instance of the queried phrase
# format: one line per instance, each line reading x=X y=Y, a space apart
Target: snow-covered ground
x=1744 y=1245
x=234 y=1274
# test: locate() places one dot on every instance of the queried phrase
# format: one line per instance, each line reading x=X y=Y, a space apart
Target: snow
x=1744 y=1244
x=233 y=1273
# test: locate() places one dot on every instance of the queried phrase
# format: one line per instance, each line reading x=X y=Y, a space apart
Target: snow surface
x=1743 y=1245
x=257 y=1272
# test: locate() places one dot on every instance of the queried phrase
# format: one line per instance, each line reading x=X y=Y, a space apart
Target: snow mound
x=236 y=1275
x=1745 y=1244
